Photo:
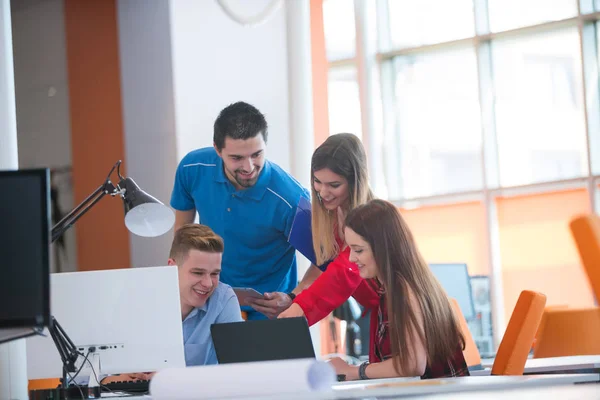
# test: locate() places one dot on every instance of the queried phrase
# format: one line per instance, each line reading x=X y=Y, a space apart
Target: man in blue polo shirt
x=247 y=200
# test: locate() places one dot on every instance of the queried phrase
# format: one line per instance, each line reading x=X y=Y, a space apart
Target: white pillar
x=13 y=361
x=302 y=137
x=370 y=98
x=147 y=97
x=8 y=116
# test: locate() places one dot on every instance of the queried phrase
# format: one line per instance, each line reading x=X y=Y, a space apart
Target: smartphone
x=244 y=294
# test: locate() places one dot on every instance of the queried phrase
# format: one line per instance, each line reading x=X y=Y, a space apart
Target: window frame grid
x=587 y=21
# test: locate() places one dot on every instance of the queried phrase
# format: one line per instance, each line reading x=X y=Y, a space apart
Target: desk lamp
x=144 y=216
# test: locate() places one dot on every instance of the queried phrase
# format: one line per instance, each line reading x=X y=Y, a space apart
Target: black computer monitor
x=262 y=340
x=24 y=252
x=456 y=281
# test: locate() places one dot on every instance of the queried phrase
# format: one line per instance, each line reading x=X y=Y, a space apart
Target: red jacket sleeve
x=330 y=290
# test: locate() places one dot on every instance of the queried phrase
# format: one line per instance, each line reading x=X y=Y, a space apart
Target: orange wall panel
x=451 y=234
x=537 y=250
x=96 y=128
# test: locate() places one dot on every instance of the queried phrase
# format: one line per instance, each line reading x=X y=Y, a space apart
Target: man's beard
x=247 y=182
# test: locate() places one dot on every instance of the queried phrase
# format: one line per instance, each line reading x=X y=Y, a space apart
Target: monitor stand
x=69 y=355
x=95 y=371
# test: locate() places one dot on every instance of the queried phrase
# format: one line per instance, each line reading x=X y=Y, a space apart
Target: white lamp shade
x=149 y=219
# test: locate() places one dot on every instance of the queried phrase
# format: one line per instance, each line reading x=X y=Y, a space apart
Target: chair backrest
x=519 y=335
x=471 y=353
x=568 y=332
x=543 y=320
x=586 y=232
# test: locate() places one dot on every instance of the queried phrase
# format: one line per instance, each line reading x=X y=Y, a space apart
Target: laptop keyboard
x=138 y=386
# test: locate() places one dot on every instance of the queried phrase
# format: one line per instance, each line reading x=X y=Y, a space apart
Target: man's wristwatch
x=291 y=295
x=362 y=374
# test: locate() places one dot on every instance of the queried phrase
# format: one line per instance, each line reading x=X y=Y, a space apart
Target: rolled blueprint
x=243 y=379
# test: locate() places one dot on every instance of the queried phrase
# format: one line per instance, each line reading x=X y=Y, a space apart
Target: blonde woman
x=339 y=184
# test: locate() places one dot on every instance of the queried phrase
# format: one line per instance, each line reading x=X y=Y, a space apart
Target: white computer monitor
x=131 y=316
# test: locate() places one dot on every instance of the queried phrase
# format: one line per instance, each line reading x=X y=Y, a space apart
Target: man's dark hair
x=239 y=121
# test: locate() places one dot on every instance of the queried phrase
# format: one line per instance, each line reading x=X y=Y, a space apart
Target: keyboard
x=141 y=386
x=138 y=386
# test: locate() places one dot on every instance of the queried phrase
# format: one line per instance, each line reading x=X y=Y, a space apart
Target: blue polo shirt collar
x=220 y=172
x=255 y=192
x=196 y=310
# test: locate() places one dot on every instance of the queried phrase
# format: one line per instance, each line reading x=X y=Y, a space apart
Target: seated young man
x=197 y=252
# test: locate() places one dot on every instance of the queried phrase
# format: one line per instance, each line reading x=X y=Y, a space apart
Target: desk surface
x=563 y=392
x=348 y=385
x=494 y=387
x=405 y=388
x=540 y=365
x=536 y=365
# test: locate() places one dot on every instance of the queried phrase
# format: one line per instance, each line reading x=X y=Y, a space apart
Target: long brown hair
x=344 y=155
x=401 y=269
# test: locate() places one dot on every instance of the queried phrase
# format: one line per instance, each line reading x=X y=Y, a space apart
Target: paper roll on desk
x=243 y=379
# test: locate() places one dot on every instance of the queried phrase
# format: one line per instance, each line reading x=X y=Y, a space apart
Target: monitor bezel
x=41 y=320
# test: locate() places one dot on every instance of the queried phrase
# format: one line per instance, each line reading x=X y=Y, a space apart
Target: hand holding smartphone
x=245 y=294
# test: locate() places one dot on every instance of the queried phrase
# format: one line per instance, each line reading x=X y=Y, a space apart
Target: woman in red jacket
x=339 y=184
x=416 y=333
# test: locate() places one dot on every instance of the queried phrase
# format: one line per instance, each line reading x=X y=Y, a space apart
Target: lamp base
x=72 y=392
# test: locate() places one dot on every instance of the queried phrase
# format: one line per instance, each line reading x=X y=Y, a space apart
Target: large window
x=424 y=22
x=511 y=14
x=441 y=154
x=344 y=101
x=540 y=120
x=491 y=129
x=340 y=32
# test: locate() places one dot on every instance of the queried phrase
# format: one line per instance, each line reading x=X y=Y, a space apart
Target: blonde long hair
x=401 y=269
x=344 y=155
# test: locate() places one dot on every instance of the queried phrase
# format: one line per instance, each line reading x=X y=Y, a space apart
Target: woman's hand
x=293 y=311
x=343 y=368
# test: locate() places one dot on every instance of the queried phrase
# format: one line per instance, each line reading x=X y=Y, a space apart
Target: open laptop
x=262 y=340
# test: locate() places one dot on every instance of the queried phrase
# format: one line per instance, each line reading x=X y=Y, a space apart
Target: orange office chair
x=571 y=332
x=539 y=333
x=568 y=332
x=586 y=232
x=520 y=332
x=471 y=353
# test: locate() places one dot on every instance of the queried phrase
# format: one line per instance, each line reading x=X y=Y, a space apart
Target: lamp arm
x=66 y=349
x=64 y=224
